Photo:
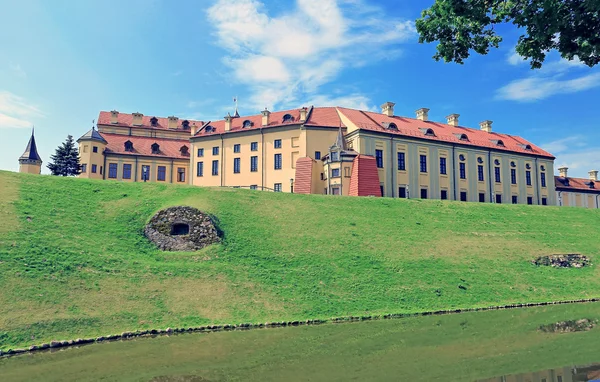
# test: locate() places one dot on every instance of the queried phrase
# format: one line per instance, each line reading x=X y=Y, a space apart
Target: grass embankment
x=74 y=261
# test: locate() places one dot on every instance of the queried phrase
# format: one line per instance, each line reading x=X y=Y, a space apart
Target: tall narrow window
x=95 y=149
x=402 y=192
x=94 y=168
x=277 y=162
x=480 y=176
x=84 y=168
x=334 y=156
x=499 y=198
x=463 y=196
x=544 y=202
x=126 y=171
x=236 y=148
x=530 y=200
x=215 y=167
x=444 y=195
x=181 y=174
x=254 y=146
x=462 y=170
x=443 y=169
x=515 y=199
x=277 y=187
x=277 y=143
x=423 y=193
x=402 y=161
x=200 y=153
x=200 y=169
x=335 y=172
x=379 y=158
x=497 y=174
x=481 y=197
x=528 y=177
x=216 y=150
x=112 y=170
x=236 y=165
x=513 y=176
x=423 y=163
x=161 y=173
x=254 y=164
x=543 y=179
x=317 y=155
x=145 y=173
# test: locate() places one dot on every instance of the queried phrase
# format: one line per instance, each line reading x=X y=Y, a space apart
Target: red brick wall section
x=303 y=179
x=365 y=177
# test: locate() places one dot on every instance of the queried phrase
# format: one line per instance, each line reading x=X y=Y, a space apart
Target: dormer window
x=153 y=121
x=184 y=150
x=209 y=129
x=186 y=124
x=247 y=123
x=155 y=148
x=498 y=142
x=288 y=118
x=462 y=136
x=389 y=126
x=526 y=147
x=428 y=132
x=129 y=146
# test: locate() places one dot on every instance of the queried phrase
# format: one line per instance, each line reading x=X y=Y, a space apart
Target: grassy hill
x=74 y=261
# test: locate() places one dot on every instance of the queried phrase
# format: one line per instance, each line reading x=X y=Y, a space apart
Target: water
x=484 y=346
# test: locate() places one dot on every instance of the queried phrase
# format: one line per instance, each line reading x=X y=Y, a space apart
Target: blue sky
x=61 y=62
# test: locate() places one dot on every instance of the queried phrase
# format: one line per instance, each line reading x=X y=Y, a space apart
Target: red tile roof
x=410 y=127
x=576 y=184
x=126 y=120
x=303 y=179
x=365 y=177
x=169 y=148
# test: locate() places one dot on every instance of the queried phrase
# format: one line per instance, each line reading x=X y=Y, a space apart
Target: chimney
x=486 y=126
x=563 y=171
x=265 y=117
x=593 y=175
x=114 y=116
x=228 y=119
x=388 y=109
x=423 y=114
x=194 y=129
x=303 y=114
x=137 y=119
x=452 y=119
x=173 y=122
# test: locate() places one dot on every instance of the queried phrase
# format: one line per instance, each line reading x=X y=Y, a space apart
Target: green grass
x=74 y=261
x=465 y=347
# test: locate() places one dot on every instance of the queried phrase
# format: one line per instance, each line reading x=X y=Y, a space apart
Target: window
x=277 y=143
x=253 y=187
x=528 y=177
x=543 y=179
x=209 y=129
x=513 y=176
x=496 y=162
x=423 y=162
x=335 y=191
x=402 y=161
x=215 y=167
x=100 y=170
x=84 y=167
x=444 y=195
x=254 y=164
x=463 y=196
x=461 y=157
x=287 y=118
x=497 y=174
x=180 y=174
x=277 y=187
x=85 y=148
x=247 y=124
x=161 y=174
x=200 y=153
x=277 y=161
x=236 y=165
x=481 y=197
x=513 y=164
x=95 y=149
x=479 y=160
x=317 y=155
x=462 y=170
x=185 y=124
x=94 y=168
x=145 y=173
x=443 y=169
x=334 y=156
x=215 y=150
x=155 y=148
x=335 y=172
x=254 y=146
x=515 y=199
x=322 y=176
x=530 y=200
x=382 y=190
x=200 y=169
x=379 y=158
x=347 y=173
x=402 y=192
x=153 y=121
x=480 y=173
x=544 y=202
x=184 y=150
x=128 y=146
x=236 y=148
x=112 y=170
x=498 y=198
x=423 y=193
x=126 y=171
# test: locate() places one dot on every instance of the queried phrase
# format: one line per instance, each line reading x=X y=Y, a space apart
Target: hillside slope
x=74 y=261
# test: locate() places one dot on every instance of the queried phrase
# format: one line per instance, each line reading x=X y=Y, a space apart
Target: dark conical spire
x=340 y=142
x=31 y=152
x=93 y=135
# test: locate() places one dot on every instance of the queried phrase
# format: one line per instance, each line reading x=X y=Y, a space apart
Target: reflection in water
x=565 y=374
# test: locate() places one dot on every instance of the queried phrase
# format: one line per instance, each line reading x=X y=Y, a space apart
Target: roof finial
x=236 y=114
x=93 y=124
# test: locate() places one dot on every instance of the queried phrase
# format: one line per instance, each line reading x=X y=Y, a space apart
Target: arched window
x=209 y=129
x=184 y=150
x=463 y=137
x=155 y=148
x=186 y=124
x=428 y=131
x=528 y=147
x=500 y=143
x=154 y=121
x=287 y=118
x=128 y=146
x=247 y=123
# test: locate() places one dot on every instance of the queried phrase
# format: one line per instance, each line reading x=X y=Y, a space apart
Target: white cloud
x=537 y=88
x=353 y=101
x=17 y=70
x=563 y=144
x=577 y=152
x=285 y=59
x=15 y=112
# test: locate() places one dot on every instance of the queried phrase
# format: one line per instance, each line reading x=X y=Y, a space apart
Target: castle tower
x=91 y=154
x=30 y=162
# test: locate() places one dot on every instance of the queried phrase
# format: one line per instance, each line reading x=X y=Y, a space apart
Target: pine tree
x=66 y=160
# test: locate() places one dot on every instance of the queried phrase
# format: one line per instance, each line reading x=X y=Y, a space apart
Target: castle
x=331 y=150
